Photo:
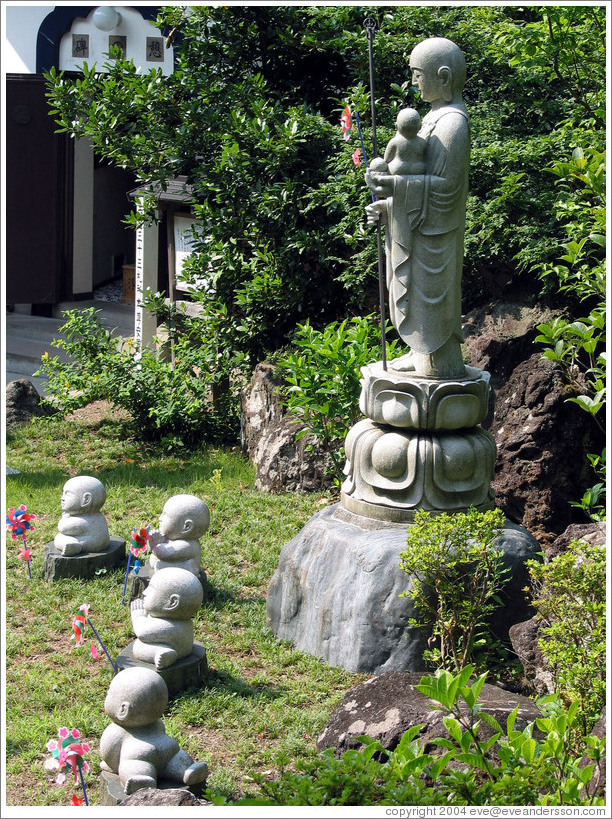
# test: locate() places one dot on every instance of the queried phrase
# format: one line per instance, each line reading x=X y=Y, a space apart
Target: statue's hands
x=137 y=607
x=155 y=538
x=374 y=210
x=381 y=184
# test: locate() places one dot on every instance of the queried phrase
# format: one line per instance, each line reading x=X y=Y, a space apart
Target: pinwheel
x=138 y=547
x=67 y=757
x=18 y=523
x=78 y=627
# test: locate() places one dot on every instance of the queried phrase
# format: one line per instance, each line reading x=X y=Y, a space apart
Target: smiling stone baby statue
x=82 y=527
x=135 y=746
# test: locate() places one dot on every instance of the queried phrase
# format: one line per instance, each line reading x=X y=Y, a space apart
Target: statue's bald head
x=436 y=54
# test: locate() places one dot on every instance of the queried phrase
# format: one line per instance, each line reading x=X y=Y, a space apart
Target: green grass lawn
x=264 y=703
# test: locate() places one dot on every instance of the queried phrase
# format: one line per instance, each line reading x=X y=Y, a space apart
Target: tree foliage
x=251 y=116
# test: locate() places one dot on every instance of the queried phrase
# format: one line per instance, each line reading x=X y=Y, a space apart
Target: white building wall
x=20 y=24
x=132 y=27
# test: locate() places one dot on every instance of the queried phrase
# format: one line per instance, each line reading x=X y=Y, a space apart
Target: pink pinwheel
x=67 y=757
x=18 y=521
x=25 y=554
x=356 y=157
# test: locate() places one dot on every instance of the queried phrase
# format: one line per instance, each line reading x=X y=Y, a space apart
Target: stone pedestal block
x=56 y=566
x=137 y=583
x=112 y=793
x=391 y=472
x=336 y=592
x=403 y=401
x=186 y=673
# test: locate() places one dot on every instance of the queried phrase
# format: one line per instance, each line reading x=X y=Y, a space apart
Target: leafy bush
x=510 y=767
x=569 y=595
x=457 y=572
x=323 y=377
x=171 y=401
x=578 y=346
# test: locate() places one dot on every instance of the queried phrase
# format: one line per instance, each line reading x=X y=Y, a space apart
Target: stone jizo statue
x=135 y=746
x=424 y=214
x=184 y=519
x=82 y=527
x=163 y=618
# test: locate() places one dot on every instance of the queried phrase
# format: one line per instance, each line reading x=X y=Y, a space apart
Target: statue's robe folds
x=424 y=237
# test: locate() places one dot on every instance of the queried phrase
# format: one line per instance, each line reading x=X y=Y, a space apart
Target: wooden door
x=38 y=185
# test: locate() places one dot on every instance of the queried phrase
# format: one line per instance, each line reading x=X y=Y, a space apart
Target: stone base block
x=112 y=793
x=57 y=566
x=181 y=675
x=137 y=583
x=336 y=592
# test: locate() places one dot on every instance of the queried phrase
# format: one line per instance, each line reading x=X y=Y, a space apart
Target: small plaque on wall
x=118 y=41
x=80 y=45
x=155 y=49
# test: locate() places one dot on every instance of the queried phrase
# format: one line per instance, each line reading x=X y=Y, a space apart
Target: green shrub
x=323 y=374
x=457 y=572
x=569 y=595
x=169 y=401
x=578 y=346
x=510 y=767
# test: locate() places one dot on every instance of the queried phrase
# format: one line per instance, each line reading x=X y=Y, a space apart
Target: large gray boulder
x=336 y=592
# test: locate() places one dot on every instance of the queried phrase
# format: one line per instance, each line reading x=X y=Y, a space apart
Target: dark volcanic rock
x=386 y=706
x=541 y=444
x=499 y=336
x=171 y=797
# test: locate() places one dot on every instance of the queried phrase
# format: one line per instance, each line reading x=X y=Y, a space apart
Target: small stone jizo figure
x=82 y=527
x=184 y=519
x=135 y=746
x=163 y=618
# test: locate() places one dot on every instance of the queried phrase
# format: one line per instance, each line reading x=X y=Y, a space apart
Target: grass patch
x=263 y=701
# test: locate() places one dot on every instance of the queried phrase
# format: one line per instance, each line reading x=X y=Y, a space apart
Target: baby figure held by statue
x=405 y=152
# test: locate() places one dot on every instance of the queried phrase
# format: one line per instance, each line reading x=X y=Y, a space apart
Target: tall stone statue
x=420 y=446
x=424 y=214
